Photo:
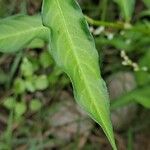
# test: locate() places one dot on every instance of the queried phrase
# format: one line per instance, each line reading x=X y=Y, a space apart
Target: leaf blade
x=80 y=62
x=19 y=31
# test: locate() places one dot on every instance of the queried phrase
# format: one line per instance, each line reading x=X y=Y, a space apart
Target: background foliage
x=34 y=93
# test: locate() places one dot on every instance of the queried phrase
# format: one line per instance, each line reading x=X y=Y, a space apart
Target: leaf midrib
x=78 y=64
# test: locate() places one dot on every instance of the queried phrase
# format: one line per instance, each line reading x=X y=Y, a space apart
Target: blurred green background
x=37 y=109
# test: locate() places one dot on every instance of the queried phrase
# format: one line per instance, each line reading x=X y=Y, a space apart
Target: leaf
x=126 y=8
x=143 y=77
x=29 y=84
x=35 y=105
x=20 y=109
x=9 y=102
x=73 y=49
x=27 y=68
x=147 y=3
x=19 y=86
x=3 y=77
x=140 y=95
x=41 y=82
x=145 y=13
x=18 y=31
x=45 y=59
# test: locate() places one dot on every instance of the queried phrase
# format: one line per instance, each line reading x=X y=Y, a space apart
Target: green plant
x=126 y=8
x=63 y=34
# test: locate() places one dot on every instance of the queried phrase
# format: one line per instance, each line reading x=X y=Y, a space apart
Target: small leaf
x=41 y=82
x=19 y=86
x=35 y=105
x=45 y=59
x=27 y=68
x=29 y=84
x=54 y=76
x=143 y=77
x=20 y=109
x=9 y=103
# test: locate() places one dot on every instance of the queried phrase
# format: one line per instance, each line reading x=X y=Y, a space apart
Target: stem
x=118 y=25
x=130 y=139
x=14 y=68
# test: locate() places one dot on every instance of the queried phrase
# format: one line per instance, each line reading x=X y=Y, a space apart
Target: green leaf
x=20 y=109
x=147 y=3
x=45 y=59
x=140 y=95
x=73 y=49
x=41 y=82
x=18 y=31
x=30 y=85
x=19 y=86
x=27 y=68
x=54 y=76
x=35 y=105
x=126 y=8
x=143 y=77
x=9 y=103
